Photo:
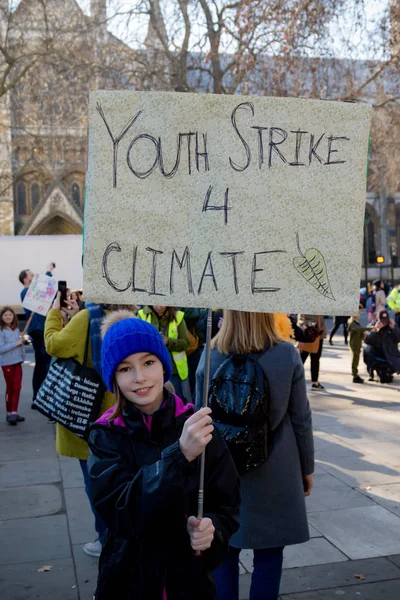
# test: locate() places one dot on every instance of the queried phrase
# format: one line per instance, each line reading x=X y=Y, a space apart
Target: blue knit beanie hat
x=126 y=337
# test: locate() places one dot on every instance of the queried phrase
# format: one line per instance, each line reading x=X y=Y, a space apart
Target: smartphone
x=62 y=287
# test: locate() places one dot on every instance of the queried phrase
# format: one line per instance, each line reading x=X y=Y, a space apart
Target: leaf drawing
x=312 y=267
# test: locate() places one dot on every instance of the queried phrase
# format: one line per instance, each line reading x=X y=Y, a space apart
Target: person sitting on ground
x=382 y=344
x=356 y=333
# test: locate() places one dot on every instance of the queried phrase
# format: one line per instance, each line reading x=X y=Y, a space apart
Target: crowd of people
x=140 y=463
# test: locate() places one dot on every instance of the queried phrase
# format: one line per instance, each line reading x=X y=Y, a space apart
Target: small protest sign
x=40 y=294
x=248 y=203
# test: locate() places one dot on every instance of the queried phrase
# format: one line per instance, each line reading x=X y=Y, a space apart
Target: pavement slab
x=29 y=472
x=26 y=446
x=71 y=472
x=330 y=494
x=360 y=532
x=30 y=501
x=45 y=538
x=23 y=582
x=385 y=590
x=80 y=516
x=338 y=575
x=314 y=552
x=387 y=451
x=360 y=470
x=395 y=559
x=86 y=571
x=387 y=496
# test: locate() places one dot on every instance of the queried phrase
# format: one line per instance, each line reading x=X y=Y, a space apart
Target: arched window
x=35 y=196
x=21 y=199
x=76 y=194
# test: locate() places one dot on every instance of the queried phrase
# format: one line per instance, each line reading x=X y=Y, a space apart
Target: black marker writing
x=224 y=207
x=332 y=139
x=116 y=140
x=296 y=162
x=113 y=247
x=233 y=256
x=243 y=105
x=181 y=263
x=152 y=290
x=208 y=267
x=254 y=270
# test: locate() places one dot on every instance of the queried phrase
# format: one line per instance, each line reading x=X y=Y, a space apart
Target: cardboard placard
x=40 y=294
x=248 y=203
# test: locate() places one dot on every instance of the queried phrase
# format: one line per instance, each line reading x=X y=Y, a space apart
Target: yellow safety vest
x=393 y=300
x=180 y=358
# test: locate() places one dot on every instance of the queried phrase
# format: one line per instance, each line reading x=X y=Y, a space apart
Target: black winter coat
x=387 y=339
x=144 y=489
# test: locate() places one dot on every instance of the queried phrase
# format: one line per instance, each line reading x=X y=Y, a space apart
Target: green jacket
x=356 y=334
x=174 y=345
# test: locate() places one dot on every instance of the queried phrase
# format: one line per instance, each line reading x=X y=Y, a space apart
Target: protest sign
x=248 y=203
x=40 y=294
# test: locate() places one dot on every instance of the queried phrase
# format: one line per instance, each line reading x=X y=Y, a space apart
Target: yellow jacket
x=69 y=342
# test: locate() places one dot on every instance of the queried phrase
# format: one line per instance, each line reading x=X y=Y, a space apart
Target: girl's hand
x=196 y=434
x=308 y=484
x=165 y=339
x=201 y=532
x=56 y=303
x=19 y=342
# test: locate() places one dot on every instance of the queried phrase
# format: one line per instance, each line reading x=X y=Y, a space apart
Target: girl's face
x=140 y=377
x=8 y=318
x=160 y=310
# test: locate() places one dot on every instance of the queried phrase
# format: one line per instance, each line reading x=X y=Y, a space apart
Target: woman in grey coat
x=273 y=511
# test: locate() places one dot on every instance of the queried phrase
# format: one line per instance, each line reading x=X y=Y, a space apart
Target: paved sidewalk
x=354 y=510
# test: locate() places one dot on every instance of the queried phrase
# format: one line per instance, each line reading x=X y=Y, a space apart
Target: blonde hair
x=246 y=332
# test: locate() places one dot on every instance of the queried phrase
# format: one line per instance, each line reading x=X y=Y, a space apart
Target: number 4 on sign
x=224 y=207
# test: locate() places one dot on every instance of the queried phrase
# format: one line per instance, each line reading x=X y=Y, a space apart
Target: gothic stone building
x=43 y=141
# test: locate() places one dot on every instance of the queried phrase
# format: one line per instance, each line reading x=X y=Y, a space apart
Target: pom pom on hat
x=123 y=335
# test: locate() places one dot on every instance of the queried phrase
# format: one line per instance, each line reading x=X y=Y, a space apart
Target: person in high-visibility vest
x=393 y=301
x=171 y=324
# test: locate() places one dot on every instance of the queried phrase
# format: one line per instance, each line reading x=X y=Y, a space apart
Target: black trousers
x=42 y=360
x=337 y=323
x=315 y=358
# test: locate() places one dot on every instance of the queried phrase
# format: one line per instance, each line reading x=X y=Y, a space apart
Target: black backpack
x=239 y=400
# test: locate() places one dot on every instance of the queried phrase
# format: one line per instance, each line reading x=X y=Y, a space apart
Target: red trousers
x=13 y=377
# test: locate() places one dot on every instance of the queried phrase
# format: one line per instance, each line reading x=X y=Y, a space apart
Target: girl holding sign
x=144 y=476
x=12 y=355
